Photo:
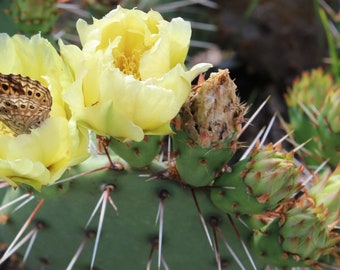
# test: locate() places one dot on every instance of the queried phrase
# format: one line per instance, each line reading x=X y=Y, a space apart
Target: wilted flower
x=213 y=113
x=39 y=158
x=133 y=76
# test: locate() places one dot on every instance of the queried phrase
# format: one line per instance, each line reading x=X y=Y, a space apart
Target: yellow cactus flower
x=38 y=157
x=132 y=74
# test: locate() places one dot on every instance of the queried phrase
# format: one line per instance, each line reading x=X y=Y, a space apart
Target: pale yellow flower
x=41 y=157
x=131 y=72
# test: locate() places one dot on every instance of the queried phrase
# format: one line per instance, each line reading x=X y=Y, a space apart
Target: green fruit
x=267 y=178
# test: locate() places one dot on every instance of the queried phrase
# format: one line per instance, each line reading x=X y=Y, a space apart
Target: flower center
x=128 y=62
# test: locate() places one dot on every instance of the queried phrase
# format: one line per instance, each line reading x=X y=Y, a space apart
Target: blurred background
x=264 y=43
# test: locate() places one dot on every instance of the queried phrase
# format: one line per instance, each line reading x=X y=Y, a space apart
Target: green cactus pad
x=199 y=166
x=229 y=193
x=138 y=154
x=268 y=248
x=127 y=235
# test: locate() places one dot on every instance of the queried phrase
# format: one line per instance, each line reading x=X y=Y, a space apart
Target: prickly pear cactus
x=207 y=129
x=33 y=16
x=129 y=236
x=313 y=115
x=98 y=184
x=304 y=231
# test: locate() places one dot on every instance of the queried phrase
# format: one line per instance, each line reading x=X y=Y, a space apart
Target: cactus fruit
x=207 y=128
x=304 y=232
x=313 y=114
x=34 y=16
x=259 y=183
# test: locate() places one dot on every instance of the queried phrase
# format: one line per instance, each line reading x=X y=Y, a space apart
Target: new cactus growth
x=260 y=183
x=304 y=232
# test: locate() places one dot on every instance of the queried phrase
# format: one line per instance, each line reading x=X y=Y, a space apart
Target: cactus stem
x=14 y=246
x=205 y=227
x=88 y=235
x=24 y=196
x=252 y=117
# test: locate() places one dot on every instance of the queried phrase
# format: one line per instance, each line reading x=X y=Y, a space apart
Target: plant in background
x=190 y=204
x=313 y=113
x=33 y=16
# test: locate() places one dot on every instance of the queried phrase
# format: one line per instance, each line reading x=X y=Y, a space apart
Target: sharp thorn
x=11 y=250
x=78 y=252
x=253 y=117
x=100 y=225
x=95 y=209
x=205 y=227
x=80 y=175
x=23 y=203
x=30 y=245
x=252 y=145
x=265 y=135
x=233 y=254
x=23 y=228
x=242 y=242
x=15 y=201
x=283 y=138
x=160 y=232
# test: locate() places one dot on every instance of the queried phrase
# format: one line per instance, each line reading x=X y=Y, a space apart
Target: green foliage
x=33 y=16
x=313 y=115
